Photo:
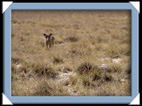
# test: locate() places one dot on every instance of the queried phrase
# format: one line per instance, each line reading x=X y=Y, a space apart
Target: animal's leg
x=47 y=46
x=50 y=45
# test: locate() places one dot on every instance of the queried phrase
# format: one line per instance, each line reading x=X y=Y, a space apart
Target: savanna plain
x=91 y=55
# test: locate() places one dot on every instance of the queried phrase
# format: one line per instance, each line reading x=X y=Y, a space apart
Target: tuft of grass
x=44 y=89
x=85 y=68
x=72 y=39
x=12 y=35
x=21 y=38
x=15 y=60
x=13 y=68
x=59 y=42
x=44 y=71
x=14 y=21
x=73 y=80
x=115 y=68
x=108 y=78
x=50 y=89
x=57 y=60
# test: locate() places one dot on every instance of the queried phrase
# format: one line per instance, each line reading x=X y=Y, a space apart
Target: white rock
x=122 y=80
x=116 y=60
x=104 y=66
x=18 y=66
x=103 y=59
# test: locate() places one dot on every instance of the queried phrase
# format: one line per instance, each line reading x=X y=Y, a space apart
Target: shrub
x=57 y=60
x=13 y=68
x=59 y=42
x=72 y=39
x=44 y=71
x=115 y=68
x=85 y=68
x=43 y=90
x=15 y=60
x=12 y=35
x=14 y=21
x=108 y=78
x=48 y=88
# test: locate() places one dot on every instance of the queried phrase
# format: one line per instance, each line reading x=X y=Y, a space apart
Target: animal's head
x=47 y=37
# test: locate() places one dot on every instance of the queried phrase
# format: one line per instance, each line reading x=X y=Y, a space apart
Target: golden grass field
x=91 y=55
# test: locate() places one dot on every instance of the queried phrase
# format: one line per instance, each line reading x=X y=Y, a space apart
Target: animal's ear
x=44 y=34
x=50 y=34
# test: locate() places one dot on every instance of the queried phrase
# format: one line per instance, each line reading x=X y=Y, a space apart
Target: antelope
x=50 y=40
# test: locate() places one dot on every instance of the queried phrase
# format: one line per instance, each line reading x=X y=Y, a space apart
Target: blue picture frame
x=72 y=99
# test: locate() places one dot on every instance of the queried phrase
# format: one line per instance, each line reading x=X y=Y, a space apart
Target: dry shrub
x=72 y=39
x=15 y=60
x=44 y=71
x=44 y=89
x=12 y=35
x=72 y=53
x=14 y=21
x=48 y=88
x=85 y=68
x=108 y=78
x=86 y=83
x=59 y=42
x=96 y=77
x=57 y=60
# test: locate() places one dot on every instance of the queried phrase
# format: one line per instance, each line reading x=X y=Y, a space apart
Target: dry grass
x=73 y=65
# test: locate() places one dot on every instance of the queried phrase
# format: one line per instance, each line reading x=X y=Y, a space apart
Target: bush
x=44 y=71
x=43 y=90
x=57 y=60
x=15 y=60
x=72 y=39
x=48 y=88
x=85 y=68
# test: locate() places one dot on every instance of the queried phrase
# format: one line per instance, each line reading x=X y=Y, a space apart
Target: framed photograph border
x=71 y=99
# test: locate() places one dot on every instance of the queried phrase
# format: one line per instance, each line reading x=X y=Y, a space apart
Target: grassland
x=91 y=56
